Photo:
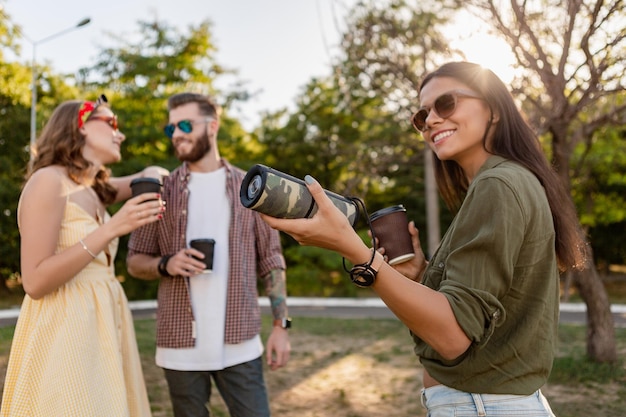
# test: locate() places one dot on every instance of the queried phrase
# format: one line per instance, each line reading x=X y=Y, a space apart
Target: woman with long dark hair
x=484 y=310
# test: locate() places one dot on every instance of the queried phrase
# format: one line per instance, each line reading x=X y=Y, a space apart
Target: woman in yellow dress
x=74 y=351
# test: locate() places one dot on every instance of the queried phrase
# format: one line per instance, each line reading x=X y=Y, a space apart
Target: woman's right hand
x=136 y=212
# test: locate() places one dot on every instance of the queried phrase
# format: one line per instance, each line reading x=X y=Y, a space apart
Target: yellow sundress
x=74 y=352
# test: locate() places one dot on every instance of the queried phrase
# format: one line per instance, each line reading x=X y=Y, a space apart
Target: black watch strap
x=162 y=268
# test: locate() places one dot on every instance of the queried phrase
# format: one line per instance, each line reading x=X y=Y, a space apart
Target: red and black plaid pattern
x=254 y=250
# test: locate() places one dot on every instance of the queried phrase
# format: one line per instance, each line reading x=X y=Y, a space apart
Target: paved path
x=343 y=308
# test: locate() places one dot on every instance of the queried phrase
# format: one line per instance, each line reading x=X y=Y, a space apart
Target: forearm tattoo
x=276 y=287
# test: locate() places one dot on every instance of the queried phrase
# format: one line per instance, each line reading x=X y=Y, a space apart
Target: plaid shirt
x=254 y=251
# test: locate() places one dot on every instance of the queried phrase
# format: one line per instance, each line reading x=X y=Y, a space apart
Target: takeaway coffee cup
x=145 y=185
x=390 y=227
x=205 y=246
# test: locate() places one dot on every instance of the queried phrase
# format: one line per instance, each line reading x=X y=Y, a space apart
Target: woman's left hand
x=155 y=171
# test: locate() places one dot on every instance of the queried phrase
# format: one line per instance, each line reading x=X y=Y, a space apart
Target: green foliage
x=389 y=45
x=599 y=188
x=352 y=146
x=14 y=140
x=15 y=99
x=15 y=82
x=8 y=35
x=387 y=48
x=315 y=272
x=582 y=370
x=599 y=191
x=157 y=63
x=139 y=74
x=350 y=129
x=573 y=366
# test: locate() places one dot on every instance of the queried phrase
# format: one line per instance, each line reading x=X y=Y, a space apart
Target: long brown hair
x=61 y=143
x=513 y=139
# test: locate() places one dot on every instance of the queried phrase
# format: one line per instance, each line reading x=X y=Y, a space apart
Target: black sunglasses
x=444 y=106
x=185 y=125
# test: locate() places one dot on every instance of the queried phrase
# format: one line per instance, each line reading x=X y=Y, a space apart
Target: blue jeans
x=442 y=401
x=241 y=386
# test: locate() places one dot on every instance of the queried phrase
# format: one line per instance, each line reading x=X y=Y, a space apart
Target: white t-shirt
x=209 y=217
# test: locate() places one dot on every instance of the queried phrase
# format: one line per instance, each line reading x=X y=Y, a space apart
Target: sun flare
x=483 y=48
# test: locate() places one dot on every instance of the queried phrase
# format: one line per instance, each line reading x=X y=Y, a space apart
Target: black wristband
x=162 y=268
x=364 y=275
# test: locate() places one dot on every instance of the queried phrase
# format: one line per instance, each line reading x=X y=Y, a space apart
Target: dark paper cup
x=145 y=185
x=205 y=246
x=390 y=227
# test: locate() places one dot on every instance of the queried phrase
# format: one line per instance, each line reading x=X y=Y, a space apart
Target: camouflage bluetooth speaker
x=280 y=195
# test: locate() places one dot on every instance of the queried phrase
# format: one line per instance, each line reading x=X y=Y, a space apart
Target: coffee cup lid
x=202 y=240
x=386 y=211
x=145 y=179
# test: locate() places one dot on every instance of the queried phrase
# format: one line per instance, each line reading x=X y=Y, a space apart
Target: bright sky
x=277 y=46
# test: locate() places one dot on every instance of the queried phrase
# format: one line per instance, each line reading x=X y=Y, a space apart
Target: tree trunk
x=601 y=345
x=566 y=281
x=432 y=204
x=600 y=325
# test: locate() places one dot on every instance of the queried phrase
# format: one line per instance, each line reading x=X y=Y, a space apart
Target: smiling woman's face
x=102 y=139
x=458 y=137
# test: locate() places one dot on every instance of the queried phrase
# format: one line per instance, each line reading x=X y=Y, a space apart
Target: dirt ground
x=371 y=373
x=331 y=376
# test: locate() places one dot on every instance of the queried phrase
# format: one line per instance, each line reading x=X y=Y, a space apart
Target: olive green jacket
x=497 y=267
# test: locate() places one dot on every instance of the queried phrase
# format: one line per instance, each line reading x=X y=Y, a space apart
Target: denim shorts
x=442 y=401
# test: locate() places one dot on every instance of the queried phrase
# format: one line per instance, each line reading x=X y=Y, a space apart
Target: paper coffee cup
x=205 y=246
x=145 y=185
x=390 y=227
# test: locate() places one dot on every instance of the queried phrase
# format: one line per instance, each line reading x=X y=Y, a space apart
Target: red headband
x=88 y=107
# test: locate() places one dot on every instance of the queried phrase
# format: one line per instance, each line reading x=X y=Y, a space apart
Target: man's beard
x=199 y=150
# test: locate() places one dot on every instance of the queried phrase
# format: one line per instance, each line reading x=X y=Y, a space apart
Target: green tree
x=138 y=74
x=599 y=190
x=15 y=101
x=14 y=139
x=342 y=147
x=387 y=47
x=14 y=123
x=351 y=129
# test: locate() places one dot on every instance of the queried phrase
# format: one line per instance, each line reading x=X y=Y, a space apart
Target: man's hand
x=278 y=348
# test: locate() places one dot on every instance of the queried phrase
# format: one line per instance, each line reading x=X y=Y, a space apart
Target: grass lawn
x=366 y=368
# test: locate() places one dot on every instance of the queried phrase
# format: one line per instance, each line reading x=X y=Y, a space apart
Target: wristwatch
x=284 y=323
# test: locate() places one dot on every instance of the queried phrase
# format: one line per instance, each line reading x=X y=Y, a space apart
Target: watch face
x=283 y=323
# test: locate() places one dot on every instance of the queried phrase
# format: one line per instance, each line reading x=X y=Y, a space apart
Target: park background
x=347 y=124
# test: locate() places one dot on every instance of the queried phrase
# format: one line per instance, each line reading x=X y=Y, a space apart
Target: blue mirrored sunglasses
x=186 y=126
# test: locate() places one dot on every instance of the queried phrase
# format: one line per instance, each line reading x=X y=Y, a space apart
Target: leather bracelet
x=162 y=268
x=364 y=275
